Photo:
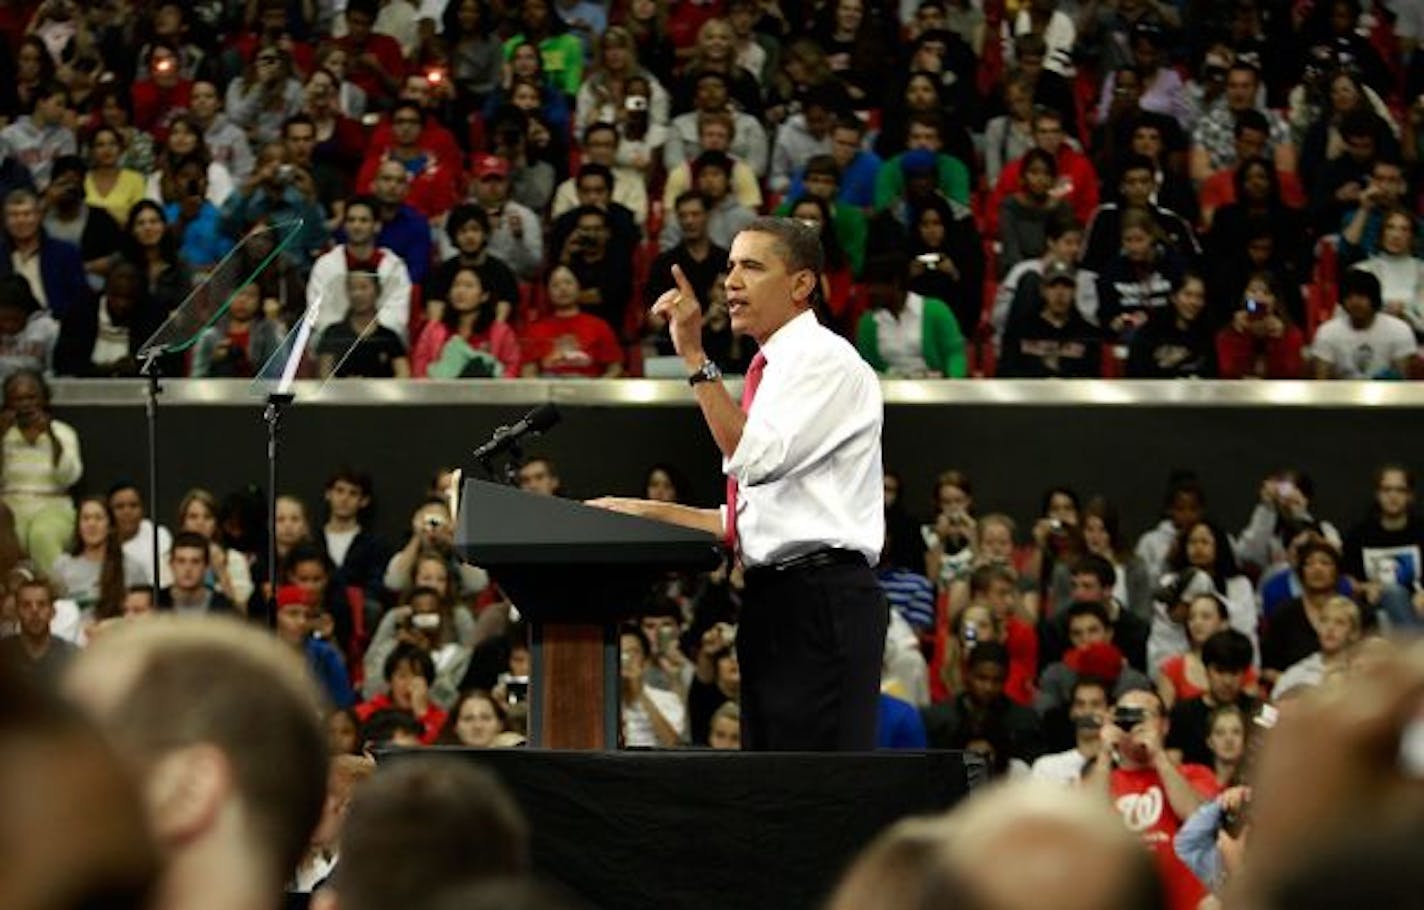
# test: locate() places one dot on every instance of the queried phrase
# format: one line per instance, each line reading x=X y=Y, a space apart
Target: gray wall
x=1014 y=439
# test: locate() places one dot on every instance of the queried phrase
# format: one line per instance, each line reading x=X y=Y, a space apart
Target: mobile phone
x=928 y=258
x=426 y=622
x=516 y=688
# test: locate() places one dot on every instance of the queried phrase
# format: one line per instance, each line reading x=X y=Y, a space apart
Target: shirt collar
x=784 y=338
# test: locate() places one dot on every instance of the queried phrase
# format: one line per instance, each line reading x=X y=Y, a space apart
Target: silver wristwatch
x=708 y=372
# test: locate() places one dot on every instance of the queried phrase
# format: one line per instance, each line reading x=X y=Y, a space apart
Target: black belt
x=817 y=559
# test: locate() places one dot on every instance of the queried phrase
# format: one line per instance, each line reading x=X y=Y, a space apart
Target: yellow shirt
x=127 y=193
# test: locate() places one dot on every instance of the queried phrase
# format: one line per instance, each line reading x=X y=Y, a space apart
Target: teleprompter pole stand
x=272 y=414
x=153 y=371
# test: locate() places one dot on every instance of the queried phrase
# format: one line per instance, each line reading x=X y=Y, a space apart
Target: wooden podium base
x=573 y=690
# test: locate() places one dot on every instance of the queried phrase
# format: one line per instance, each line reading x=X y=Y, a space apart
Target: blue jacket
x=408 y=236
x=326 y=664
x=61 y=271
x=899 y=725
x=857 y=182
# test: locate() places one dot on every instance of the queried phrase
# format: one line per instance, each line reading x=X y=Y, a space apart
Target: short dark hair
x=1251 y=119
x=598 y=127
x=577 y=213
x=1080 y=608
x=1091 y=682
x=1093 y=564
x=593 y=169
x=462 y=215
x=712 y=158
x=703 y=75
x=1227 y=650
x=797 y=244
x=424 y=826
x=189 y=540
x=357 y=478
x=383 y=725
x=824 y=165
x=849 y=122
x=413 y=656
x=369 y=7
x=372 y=206
x=1318 y=548
x=298 y=120
x=306 y=552
x=1061 y=222
x=988 y=652
x=66 y=164
x=1137 y=163
x=16 y=293
x=688 y=196
x=1361 y=283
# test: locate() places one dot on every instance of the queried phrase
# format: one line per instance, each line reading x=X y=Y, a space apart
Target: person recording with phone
x=1260 y=341
x=1154 y=796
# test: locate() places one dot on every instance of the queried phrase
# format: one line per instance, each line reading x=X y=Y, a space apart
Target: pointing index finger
x=683 y=285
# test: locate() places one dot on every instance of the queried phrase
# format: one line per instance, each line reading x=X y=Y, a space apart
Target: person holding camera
x=432 y=532
x=716 y=680
x=429 y=621
x=1260 y=341
x=652 y=718
x=907 y=335
x=1154 y=796
x=277 y=192
x=1087 y=712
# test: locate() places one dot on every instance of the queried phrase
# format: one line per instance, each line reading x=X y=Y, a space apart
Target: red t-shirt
x=432 y=720
x=1174 y=670
x=1141 y=800
x=387 y=52
x=577 y=345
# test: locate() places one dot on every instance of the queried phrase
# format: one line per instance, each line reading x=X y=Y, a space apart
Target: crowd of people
x=1051 y=646
x=499 y=189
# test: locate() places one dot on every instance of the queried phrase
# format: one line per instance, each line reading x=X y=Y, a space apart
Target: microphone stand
x=509 y=475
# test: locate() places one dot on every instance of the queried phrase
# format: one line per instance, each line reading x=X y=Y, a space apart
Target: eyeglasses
x=406 y=121
x=265 y=58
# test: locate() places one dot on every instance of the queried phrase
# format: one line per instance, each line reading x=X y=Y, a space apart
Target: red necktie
x=749 y=390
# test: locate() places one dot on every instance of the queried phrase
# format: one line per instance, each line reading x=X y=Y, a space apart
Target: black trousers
x=810 y=644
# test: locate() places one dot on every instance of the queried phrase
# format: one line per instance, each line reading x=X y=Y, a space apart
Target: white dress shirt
x=808 y=464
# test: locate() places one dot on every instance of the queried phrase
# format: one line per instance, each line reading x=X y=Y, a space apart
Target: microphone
x=533 y=423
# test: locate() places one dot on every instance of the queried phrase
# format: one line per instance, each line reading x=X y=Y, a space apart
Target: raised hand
x=679 y=306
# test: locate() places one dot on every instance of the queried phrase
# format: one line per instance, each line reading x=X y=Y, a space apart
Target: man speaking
x=805 y=506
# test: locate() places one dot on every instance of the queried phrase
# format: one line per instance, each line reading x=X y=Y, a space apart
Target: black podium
x=574 y=572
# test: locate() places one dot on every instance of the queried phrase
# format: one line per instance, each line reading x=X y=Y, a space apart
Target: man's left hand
x=618 y=504
x=680 y=308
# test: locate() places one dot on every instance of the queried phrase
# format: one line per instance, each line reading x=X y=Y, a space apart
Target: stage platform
x=690 y=830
